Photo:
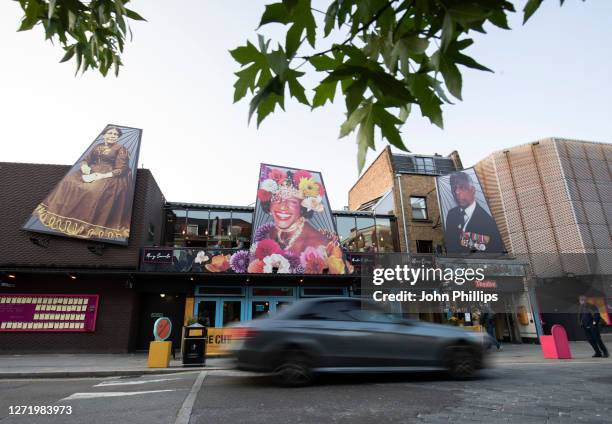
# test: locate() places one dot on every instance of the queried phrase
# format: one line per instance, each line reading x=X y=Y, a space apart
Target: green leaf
x=296 y=89
x=51 y=8
x=275 y=13
x=246 y=54
x=267 y=106
x=330 y=17
x=354 y=94
x=290 y=5
x=324 y=92
x=33 y=12
x=467 y=13
x=273 y=87
x=365 y=137
x=448 y=31
x=293 y=39
x=427 y=99
x=245 y=81
x=323 y=63
x=405 y=112
x=69 y=53
x=388 y=126
x=351 y=123
x=390 y=86
x=498 y=18
x=530 y=8
x=278 y=62
x=133 y=15
x=469 y=62
x=452 y=77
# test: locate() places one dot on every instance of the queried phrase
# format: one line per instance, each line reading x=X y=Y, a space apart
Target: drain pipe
x=399 y=183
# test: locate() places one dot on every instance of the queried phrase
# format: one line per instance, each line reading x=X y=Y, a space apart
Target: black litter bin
x=194 y=345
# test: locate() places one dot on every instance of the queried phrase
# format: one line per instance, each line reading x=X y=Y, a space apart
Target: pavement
x=80 y=365
x=110 y=365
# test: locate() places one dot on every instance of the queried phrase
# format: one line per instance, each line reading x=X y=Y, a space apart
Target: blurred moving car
x=351 y=335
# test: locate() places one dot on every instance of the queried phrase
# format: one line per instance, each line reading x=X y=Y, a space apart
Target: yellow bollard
x=159 y=354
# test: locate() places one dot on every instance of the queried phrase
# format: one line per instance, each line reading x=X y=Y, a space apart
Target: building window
x=424 y=246
x=197 y=228
x=175 y=227
x=242 y=224
x=366 y=235
x=347 y=229
x=419 y=207
x=384 y=235
x=424 y=165
x=219 y=229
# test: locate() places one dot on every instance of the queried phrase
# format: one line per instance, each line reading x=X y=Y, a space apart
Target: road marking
x=76 y=396
x=128 y=383
x=184 y=414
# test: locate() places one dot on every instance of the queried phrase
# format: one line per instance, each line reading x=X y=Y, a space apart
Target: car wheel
x=294 y=370
x=461 y=363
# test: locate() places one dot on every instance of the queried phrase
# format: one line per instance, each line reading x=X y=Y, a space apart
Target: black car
x=351 y=335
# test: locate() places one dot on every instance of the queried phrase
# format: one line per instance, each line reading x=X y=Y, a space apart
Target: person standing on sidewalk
x=589 y=321
x=487 y=318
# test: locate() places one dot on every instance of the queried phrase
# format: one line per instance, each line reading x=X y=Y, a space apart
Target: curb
x=111 y=373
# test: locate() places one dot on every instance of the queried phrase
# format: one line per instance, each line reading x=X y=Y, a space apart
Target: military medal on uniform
x=474 y=240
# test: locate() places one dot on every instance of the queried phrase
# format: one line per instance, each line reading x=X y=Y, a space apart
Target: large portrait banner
x=294 y=231
x=94 y=199
x=469 y=226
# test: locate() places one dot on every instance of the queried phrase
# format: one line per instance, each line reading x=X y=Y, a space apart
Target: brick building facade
x=32 y=263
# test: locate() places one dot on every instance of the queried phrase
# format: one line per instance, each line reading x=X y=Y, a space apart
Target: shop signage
x=162 y=329
x=157 y=256
x=485 y=284
x=218 y=341
x=48 y=312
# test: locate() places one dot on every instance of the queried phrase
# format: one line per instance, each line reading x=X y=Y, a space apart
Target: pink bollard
x=556 y=345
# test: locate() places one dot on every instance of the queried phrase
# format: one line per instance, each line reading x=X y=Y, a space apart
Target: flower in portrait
x=263 y=195
x=219 y=263
x=269 y=185
x=276 y=260
x=239 y=262
x=256 y=267
x=201 y=257
x=314 y=260
x=298 y=175
x=313 y=204
x=267 y=247
x=278 y=175
x=309 y=187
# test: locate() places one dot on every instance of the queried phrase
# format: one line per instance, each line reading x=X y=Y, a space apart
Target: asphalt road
x=567 y=392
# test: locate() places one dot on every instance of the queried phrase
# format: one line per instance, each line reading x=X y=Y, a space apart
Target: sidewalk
x=532 y=354
x=106 y=365
x=79 y=365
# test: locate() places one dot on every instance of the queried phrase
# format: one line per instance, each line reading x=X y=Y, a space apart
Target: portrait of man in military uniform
x=469 y=226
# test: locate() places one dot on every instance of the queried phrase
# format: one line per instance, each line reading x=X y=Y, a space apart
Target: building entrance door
x=219 y=311
x=154 y=306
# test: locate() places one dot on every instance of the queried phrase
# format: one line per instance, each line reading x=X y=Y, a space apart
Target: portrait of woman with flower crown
x=294 y=226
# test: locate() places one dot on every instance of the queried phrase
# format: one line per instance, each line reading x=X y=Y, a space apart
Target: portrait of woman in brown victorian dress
x=94 y=200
